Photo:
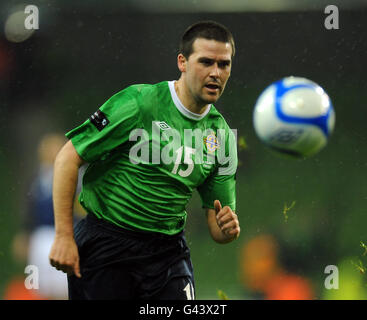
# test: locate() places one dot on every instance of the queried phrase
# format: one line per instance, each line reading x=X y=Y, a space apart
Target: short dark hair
x=209 y=30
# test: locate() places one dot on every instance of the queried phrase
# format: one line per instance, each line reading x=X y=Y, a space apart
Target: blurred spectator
x=16 y=290
x=32 y=245
x=265 y=277
x=284 y=286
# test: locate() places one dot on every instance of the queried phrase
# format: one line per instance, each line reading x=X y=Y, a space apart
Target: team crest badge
x=211 y=142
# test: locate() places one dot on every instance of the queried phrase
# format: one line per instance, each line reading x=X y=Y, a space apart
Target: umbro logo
x=162 y=125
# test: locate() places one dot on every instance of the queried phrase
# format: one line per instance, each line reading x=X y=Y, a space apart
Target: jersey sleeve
x=107 y=128
x=221 y=184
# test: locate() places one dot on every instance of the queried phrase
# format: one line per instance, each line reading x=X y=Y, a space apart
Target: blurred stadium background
x=52 y=79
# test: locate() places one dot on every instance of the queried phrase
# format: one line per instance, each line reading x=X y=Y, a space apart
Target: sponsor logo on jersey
x=99 y=120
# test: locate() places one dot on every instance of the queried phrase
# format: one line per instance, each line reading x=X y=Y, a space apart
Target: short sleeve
x=221 y=184
x=107 y=128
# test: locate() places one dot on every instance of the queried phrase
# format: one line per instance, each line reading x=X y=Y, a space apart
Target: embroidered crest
x=211 y=142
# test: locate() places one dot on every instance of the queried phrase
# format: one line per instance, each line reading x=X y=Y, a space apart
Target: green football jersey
x=147 y=153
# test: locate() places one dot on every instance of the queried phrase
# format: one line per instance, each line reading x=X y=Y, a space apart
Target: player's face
x=208 y=69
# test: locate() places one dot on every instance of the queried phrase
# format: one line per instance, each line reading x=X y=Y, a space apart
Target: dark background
x=81 y=55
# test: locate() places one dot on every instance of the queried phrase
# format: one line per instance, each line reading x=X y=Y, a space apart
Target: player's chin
x=211 y=97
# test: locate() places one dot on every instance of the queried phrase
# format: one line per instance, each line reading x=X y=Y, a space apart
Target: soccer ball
x=294 y=116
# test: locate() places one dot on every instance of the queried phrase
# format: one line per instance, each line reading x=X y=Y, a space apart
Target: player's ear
x=181 y=62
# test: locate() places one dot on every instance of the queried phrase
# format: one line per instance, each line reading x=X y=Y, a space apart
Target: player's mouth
x=213 y=87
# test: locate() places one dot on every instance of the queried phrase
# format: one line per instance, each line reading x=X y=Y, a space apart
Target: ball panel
x=304 y=103
x=292 y=81
x=302 y=139
x=264 y=117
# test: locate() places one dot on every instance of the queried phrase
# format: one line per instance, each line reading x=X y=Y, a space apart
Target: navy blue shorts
x=116 y=264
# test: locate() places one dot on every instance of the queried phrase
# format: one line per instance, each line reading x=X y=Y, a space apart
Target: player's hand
x=227 y=221
x=64 y=255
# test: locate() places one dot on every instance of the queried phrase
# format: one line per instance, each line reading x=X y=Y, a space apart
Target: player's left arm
x=223 y=223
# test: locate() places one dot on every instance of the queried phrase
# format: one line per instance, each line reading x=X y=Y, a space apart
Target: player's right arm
x=64 y=254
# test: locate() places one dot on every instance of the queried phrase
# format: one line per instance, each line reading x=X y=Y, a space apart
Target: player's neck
x=187 y=100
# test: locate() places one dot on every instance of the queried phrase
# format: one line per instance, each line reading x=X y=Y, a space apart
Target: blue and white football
x=294 y=116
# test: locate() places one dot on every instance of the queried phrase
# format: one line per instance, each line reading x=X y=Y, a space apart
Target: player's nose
x=215 y=71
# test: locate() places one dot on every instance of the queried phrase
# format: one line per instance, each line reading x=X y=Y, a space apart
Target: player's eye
x=224 y=64
x=206 y=62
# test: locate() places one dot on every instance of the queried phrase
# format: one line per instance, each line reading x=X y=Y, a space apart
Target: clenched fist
x=227 y=220
x=64 y=255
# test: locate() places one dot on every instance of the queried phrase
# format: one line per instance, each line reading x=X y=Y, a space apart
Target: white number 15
x=187 y=160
